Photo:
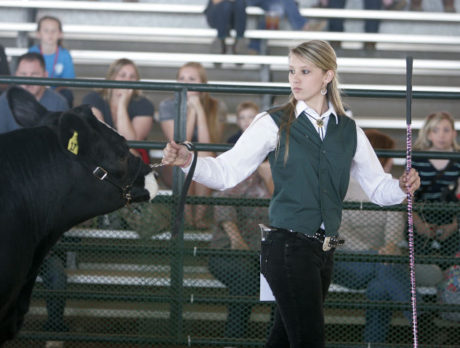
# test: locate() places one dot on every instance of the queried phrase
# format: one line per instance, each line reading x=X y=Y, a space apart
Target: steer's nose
x=151 y=185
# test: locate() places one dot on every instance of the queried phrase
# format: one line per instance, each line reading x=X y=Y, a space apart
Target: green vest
x=311 y=185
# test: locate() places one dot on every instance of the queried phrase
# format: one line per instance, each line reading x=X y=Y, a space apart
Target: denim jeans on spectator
x=383 y=282
x=240 y=274
x=54 y=277
x=370 y=26
x=227 y=15
x=290 y=10
x=299 y=273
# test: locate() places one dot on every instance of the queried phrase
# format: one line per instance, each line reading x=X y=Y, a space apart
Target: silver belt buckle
x=264 y=229
x=326 y=245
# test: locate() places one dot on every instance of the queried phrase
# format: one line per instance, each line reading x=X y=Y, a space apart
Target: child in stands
x=58 y=60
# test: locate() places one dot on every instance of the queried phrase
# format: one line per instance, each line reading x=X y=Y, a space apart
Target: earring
x=324 y=91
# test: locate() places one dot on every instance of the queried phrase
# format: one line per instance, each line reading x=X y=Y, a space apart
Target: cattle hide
x=48 y=186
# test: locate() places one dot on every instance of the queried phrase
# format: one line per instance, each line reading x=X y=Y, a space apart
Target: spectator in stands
x=436 y=232
x=374 y=232
x=206 y=117
x=4 y=67
x=58 y=60
x=416 y=5
x=54 y=278
x=277 y=9
x=224 y=15
x=31 y=65
x=313 y=148
x=126 y=110
x=236 y=228
x=245 y=113
x=52 y=269
x=370 y=25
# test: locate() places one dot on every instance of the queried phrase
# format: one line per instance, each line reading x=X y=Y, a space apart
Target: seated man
x=31 y=65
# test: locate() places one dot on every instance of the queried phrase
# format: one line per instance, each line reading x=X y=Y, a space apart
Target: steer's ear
x=27 y=111
x=74 y=133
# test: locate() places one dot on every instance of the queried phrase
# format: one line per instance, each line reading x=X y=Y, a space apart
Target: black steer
x=62 y=169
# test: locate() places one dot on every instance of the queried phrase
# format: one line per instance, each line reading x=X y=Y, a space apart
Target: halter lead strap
x=185 y=187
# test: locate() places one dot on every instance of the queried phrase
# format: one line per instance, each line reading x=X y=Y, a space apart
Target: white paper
x=266 y=294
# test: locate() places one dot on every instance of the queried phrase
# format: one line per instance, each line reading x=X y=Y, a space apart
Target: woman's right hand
x=124 y=96
x=176 y=155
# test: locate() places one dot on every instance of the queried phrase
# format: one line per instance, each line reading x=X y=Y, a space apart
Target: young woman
x=206 y=117
x=58 y=60
x=126 y=110
x=436 y=232
x=312 y=148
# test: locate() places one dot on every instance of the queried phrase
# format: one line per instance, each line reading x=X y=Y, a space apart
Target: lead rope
x=185 y=186
x=410 y=220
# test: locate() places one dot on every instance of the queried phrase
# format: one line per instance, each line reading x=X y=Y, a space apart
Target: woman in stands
x=312 y=148
x=436 y=231
x=206 y=117
x=126 y=110
x=58 y=60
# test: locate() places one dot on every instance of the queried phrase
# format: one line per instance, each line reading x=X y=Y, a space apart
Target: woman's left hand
x=409 y=182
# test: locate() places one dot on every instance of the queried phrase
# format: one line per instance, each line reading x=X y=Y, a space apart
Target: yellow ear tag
x=73 y=143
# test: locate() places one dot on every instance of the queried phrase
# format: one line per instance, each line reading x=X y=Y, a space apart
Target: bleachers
x=95 y=37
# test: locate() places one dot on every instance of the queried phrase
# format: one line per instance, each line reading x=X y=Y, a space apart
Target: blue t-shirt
x=62 y=67
x=51 y=100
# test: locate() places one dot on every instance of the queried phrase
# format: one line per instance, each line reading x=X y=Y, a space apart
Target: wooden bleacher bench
x=282 y=38
x=251 y=11
x=276 y=63
x=197 y=236
x=149 y=278
x=110 y=276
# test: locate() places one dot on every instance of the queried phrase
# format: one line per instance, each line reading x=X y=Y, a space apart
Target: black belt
x=328 y=242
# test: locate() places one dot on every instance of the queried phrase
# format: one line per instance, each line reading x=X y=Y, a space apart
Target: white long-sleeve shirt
x=261 y=137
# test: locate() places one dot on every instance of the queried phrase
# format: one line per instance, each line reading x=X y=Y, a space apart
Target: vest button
x=324 y=151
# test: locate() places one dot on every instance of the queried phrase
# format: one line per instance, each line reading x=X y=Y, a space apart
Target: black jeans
x=299 y=273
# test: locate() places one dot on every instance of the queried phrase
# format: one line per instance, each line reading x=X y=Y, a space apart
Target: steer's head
x=90 y=144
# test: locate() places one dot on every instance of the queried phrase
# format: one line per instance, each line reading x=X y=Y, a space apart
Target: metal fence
x=123 y=280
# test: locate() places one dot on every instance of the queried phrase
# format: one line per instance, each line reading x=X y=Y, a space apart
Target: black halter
x=125 y=190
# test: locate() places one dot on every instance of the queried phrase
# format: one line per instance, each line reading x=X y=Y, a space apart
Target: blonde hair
x=210 y=104
x=112 y=72
x=431 y=121
x=322 y=55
